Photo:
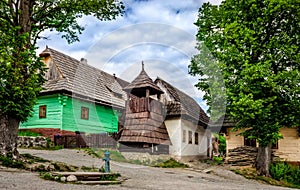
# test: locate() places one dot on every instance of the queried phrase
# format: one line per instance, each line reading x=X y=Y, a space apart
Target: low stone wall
x=190 y=158
x=29 y=142
x=145 y=157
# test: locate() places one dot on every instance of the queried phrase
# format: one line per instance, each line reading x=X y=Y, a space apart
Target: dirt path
x=138 y=177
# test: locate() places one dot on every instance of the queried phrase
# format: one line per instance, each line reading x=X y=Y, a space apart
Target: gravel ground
x=137 y=177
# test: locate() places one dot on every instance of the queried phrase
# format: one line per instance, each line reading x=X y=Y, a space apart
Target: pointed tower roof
x=142 y=82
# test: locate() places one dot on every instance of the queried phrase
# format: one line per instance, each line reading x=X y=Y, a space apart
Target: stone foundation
x=190 y=158
x=145 y=157
x=32 y=142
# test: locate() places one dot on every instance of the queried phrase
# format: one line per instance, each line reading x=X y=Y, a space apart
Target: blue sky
x=159 y=32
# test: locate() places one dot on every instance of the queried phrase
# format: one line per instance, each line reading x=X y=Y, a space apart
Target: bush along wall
x=283 y=171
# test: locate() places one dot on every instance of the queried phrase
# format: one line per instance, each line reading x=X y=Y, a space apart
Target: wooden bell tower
x=144 y=128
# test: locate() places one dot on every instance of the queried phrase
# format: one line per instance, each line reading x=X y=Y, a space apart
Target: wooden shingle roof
x=221 y=124
x=144 y=122
x=182 y=104
x=223 y=121
x=79 y=78
x=141 y=83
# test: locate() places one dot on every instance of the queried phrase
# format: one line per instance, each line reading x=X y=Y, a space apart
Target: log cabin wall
x=234 y=140
x=287 y=149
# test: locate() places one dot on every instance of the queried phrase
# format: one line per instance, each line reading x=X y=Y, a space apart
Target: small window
x=42 y=111
x=196 y=138
x=190 y=137
x=183 y=136
x=249 y=142
x=275 y=145
x=84 y=113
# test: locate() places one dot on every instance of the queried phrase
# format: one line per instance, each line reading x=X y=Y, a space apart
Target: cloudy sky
x=159 y=32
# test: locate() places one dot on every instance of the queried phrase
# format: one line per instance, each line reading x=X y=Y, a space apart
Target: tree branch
x=42 y=9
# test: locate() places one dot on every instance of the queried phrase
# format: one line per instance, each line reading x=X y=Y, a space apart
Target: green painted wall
x=65 y=113
x=53 y=115
x=101 y=119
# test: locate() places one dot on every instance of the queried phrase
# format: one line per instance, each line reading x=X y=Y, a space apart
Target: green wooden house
x=76 y=97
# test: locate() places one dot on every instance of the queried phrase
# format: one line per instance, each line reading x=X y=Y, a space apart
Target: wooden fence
x=86 y=141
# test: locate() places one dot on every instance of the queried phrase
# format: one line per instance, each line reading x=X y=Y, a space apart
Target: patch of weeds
x=115 y=155
x=40 y=168
x=102 y=169
x=47 y=176
x=142 y=162
x=138 y=162
x=217 y=160
x=64 y=167
x=91 y=152
x=9 y=162
x=31 y=159
x=171 y=163
x=110 y=177
x=27 y=133
x=214 y=161
x=283 y=171
x=250 y=173
x=91 y=169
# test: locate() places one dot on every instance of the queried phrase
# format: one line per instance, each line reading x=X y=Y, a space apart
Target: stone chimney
x=83 y=60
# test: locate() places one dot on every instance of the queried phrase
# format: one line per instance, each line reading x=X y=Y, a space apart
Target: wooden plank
x=83 y=174
x=137 y=115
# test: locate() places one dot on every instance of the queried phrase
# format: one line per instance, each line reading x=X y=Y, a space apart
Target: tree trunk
x=263 y=160
x=9 y=136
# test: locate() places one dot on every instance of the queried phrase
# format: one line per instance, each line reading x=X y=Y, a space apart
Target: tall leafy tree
x=255 y=45
x=21 y=71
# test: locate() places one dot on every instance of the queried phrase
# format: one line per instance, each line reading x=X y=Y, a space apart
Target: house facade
x=286 y=149
x=76 y=98
x=186 y=123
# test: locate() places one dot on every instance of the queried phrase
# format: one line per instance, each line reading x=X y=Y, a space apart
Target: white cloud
x=159 y=32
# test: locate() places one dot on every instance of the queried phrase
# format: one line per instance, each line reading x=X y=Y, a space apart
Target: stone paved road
x=138 y=177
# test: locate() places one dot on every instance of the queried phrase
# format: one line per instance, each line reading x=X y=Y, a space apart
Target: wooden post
x=227 y=150
x=147 y=93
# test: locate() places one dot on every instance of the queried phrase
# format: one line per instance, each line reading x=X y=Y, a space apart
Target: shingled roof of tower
x=70 y=75
x=141 y=82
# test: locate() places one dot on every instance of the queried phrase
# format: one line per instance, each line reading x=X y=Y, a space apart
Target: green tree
x=255 y=45
x=21 y=71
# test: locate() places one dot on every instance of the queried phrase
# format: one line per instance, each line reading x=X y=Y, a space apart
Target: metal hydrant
x=106 y=159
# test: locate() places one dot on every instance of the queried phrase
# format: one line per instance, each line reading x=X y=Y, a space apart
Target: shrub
x=283 y=171
x=115 y=155
x=171 y=163
x=47 y=176
x=110 y=177
x=218 y=160
x=222 y=143
x=9 y=162
x=28 y=133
